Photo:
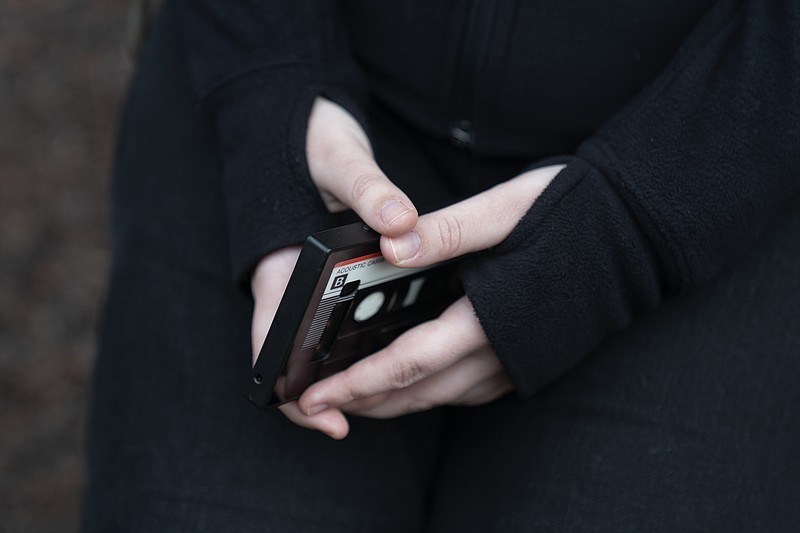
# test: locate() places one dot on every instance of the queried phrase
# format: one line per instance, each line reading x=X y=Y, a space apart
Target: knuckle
x=363 y=184
x=351 y=390
x=405 y=373
x=450 y=234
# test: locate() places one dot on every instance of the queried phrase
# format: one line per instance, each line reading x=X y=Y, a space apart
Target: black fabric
x=686 y=420
x=259 y=66
x=256 y=66
x=689 y=127
x=174 y=444
x=678 y=185
x=574 y=269
x=532 y=78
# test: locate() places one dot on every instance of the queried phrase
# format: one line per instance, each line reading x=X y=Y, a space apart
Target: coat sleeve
x=257 y=67
x=659 y=200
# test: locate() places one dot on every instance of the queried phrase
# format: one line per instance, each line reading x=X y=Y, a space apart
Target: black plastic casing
x=341 y=340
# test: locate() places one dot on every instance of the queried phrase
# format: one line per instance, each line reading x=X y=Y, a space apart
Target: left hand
x=447 y=360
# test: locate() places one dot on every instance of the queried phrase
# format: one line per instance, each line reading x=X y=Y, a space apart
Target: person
x=625 y=356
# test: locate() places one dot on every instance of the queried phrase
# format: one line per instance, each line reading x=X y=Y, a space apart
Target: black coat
x=679 y=121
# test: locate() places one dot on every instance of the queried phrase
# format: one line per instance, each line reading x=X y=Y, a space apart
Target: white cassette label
x=369 y=270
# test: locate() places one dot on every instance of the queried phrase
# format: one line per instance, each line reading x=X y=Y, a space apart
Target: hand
x=344 y=170
x=268 y=284
x=445 y=361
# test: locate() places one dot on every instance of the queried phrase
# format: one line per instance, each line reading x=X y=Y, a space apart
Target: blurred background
x=64 y=66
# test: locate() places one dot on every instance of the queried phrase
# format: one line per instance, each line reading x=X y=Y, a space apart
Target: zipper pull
x=461 y=133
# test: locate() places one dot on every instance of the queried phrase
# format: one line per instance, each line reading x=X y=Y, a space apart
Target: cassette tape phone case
x=344 y=301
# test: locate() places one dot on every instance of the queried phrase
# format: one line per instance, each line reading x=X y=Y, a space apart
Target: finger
x=343 y=167
x=416 y=354
x=474 y=224
x=444 y=387
x=363 y=187
x=268 y=284
x=330 y=421
x=476 y=379
x=487 y=390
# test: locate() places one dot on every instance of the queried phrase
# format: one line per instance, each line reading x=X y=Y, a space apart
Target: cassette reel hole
x=369 y=306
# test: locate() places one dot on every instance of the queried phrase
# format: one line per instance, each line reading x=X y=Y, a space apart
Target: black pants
x=688 y=421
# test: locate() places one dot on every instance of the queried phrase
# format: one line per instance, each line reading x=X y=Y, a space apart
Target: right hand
x=343 y=167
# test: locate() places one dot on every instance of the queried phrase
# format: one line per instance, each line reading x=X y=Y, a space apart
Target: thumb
x=343 y=168
x=474 y=224
x=268 y=284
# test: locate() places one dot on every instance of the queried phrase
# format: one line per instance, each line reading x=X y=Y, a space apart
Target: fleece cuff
x=271 y=201
x=575 y=269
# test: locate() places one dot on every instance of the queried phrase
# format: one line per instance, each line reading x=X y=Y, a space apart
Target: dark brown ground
x=63 y=69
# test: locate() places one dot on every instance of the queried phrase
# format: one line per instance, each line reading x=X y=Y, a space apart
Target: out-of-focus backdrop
x=64 y=66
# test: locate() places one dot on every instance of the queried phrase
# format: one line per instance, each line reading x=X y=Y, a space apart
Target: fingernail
x=405 y=247
x=392 y=210
x=316 y=409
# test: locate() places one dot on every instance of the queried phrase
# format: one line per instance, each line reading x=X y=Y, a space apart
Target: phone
x=344 y=301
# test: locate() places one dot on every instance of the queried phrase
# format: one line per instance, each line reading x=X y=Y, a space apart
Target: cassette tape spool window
x=369 y=306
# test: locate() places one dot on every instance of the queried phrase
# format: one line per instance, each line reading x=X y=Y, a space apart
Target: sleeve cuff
x=574 y=270
x=271 y=200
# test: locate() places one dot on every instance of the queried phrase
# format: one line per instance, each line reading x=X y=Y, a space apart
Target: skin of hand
x=446 y=361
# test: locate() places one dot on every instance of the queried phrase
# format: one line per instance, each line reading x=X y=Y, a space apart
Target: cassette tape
x=344 y=301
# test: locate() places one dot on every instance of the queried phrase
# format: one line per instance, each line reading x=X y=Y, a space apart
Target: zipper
x=469 y=67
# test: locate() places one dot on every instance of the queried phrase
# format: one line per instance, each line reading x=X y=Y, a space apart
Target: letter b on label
x=338 y=281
